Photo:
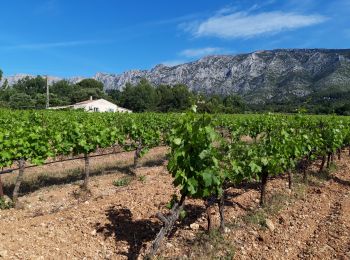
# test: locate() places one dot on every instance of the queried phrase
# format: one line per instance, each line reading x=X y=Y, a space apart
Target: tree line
x=164 y=98
x=329 y=101
x=30 y=93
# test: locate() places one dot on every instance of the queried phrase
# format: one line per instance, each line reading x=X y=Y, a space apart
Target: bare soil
x=116 y=219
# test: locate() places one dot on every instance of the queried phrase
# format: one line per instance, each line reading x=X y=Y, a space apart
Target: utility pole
x=47 y=94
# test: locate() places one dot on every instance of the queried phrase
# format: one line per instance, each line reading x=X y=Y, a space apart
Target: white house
x=98 y=105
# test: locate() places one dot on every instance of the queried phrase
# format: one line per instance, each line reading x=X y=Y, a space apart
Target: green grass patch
x=5 y=204
x=299 y=191
x=142 y=178
x=318 y=178
x=122 y=182
x=332 y=167
x=256 y=217
x=276 y=203
x=212 y=246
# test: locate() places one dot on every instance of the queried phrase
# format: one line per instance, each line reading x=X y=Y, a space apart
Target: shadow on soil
x=137 y=232
x=193 y=212
x=46 y=180
x=245 y=185
x=340 y=181
x=154 y=163
x=327 y=175
x=124 y=228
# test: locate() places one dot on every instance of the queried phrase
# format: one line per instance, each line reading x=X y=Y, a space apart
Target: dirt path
x=314 y=227
x=331 y=238
x=118 y=222
x=113 y=222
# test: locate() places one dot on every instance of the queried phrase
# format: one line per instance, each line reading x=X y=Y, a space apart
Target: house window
x=95 y=109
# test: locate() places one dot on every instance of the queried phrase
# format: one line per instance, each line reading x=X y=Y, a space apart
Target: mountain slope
x=260 y=76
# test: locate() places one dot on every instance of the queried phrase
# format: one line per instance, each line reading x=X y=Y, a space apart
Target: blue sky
x=81 y=37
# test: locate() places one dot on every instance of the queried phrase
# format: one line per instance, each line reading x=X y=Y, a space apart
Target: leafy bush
x=5 y=203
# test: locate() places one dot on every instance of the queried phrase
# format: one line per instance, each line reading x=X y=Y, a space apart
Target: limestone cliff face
x=259 y=76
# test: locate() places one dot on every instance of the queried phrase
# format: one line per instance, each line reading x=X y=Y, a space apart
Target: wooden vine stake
x=264 y=176
x=329 y=160
x=208 y=205
x=1 y=189
x=290 y=179
x=221 y=204
x=306 y=164
x=304 y=173
x=322 y=163
x=21 y=164
x=137 y=155
x=87 y=172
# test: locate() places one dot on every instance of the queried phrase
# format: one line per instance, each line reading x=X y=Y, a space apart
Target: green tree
x=90 y=84
x=39 y=100
x=6 y=93
x=31 y=86
x=5 y=85
x=210 y=104
x=182 y=97
x=81 y=94
x=140 y=98
x=20 y=101
x=115 y=95
x=63 y=88
x=234 y=104
x=166 y=98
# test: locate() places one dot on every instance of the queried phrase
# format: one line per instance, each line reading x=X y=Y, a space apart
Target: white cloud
x=188 y=55
x=171 y=63
x=245 y=25
x=225 y=10
x=194 y=53
x=39 y=46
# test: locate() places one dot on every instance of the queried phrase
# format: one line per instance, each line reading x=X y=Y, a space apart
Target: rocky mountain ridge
x=258 y=76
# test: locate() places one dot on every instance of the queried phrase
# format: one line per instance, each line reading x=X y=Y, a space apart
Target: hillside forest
x=30 y=93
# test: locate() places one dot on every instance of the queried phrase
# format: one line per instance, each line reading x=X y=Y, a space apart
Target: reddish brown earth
x=61 y=222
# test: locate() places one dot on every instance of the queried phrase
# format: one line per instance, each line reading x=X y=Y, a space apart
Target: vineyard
x=208 y=154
